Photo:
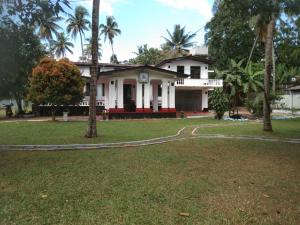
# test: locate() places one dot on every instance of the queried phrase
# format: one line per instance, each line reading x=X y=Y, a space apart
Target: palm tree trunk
x=252 y=50
x=112 y=49
x=81 y=44
x=92 y=126
x=274 y=68
x=268 y=71
x=53 y=112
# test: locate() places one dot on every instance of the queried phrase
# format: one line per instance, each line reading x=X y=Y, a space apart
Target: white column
x=165 y=97
x=112 y=94
x=139 y=95
x=120 y=93
x=147 y=95
x=106 y=95
x=204 y=99
x=172 y=95
x=155 y=96
x=99 y=91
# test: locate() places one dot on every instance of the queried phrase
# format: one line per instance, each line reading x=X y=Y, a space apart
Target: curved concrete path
x=183 y=134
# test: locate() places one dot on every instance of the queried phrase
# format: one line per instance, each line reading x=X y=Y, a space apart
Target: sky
x=145 y=22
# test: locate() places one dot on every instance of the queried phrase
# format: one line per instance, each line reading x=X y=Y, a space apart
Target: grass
x=282 y=128
x=23 y=132
x=215 y=182
x=73 y=132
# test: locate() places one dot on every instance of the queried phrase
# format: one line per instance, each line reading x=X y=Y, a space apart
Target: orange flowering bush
x=56 y=83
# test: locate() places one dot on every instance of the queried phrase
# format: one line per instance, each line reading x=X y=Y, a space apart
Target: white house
x=178 y=84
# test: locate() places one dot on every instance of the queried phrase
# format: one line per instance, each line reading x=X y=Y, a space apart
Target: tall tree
x=92 y=125
x=78 y=23
x=19 y=24
x=269 y=12
x=22 y=50
x=110 y=30
x=47 y=26
x=62 y=45
x=87 y=51
x=179 y=41
x=145 y=55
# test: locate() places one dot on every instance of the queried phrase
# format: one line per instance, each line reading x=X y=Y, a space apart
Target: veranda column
x=139 y=97
x=155 y=96
x=172 y=96
x=120 y=104
x=99 y=91
x=165 y=96
x=106 y=95
x=147 y=97
x=204 y=99
x=112 y=94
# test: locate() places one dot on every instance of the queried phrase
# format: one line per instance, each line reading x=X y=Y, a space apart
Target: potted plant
x=104 y=115
x=65 y=115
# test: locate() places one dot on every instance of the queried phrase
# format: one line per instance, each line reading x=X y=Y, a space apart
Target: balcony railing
x=98 y=103
x=199 y=83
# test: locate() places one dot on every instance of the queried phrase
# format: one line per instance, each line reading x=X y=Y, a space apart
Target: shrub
x=55 y=83
x=219 y=103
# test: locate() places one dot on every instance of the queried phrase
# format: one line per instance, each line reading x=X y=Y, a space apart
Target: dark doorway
x=127 y=98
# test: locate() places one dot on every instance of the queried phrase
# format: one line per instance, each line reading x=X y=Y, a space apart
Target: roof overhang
x=123 y=72
x=198 y=58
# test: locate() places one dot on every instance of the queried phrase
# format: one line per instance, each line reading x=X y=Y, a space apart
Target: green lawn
x=109 y=131
x=282 y=128
x=23 y=132
x=217 y=182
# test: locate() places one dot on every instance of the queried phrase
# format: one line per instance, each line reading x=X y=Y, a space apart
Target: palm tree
x=78 y=23
x=87 y=51
x=179 y=41
x=110 y=31
x=47 y=26
x=61 y=45
x=92 y=126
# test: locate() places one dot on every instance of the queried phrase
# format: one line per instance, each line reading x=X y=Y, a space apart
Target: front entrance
x=129 y=104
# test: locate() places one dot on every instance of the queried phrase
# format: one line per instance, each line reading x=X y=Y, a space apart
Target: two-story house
x=177 y=84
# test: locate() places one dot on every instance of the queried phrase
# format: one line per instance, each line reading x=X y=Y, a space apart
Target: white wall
x=289 y=101
x=187 y=67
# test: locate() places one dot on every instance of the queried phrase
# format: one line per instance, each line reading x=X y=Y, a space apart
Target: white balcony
x=192 y=83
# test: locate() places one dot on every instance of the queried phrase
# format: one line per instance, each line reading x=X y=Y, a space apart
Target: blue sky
x=145 y=21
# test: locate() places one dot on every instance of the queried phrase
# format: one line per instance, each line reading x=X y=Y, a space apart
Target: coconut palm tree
x=110 y=30
x=61 y=45
x=92 y=126
x=179 y=41
x=47 y=26
x=87 y=51
x=78 y=23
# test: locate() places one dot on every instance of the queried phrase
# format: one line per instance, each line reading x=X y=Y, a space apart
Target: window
x=195 y=72
x=180 y=69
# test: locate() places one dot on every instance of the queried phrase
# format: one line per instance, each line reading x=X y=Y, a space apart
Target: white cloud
x=106 y=6
x=201 y=6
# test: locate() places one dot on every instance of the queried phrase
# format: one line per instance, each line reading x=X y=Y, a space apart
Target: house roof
x=198 y=58
x=107 y=64
x=143 y=67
